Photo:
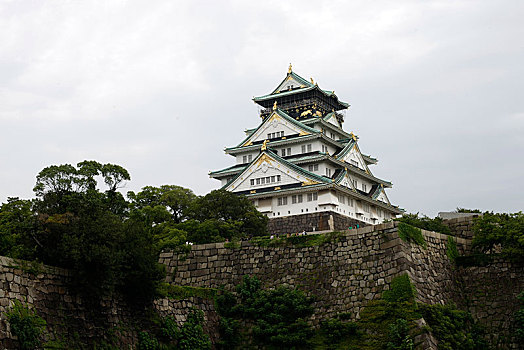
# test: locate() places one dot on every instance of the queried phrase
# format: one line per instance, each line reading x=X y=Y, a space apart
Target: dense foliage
x=176 y=215
x=168 y=336
x=519 y=319
x=278 y=316
x=26 y=325
x=500 y=233
x=425 y=223
x=113 y=243
x=454 y=329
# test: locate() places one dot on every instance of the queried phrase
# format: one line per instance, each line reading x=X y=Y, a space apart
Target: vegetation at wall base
x=519 y=319
x=166 y=335
x=26 y=325
x=454 y=329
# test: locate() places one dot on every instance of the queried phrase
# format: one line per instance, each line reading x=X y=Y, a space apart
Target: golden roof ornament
x=275 y=106
x=290 y=69
x=312 y=82
x=264 y=145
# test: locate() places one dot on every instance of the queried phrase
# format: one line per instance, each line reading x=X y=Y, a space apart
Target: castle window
x=252 y=182
x=365 y=207
x=313 y=167
x=296 y=199
x=244 y=159
x=364 y=188
x=328 y=172
x=250 y=158
x=312 y=196
x=286 y=152
x=282 y=201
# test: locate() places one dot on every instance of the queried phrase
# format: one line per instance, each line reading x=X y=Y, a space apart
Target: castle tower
x=301 y=168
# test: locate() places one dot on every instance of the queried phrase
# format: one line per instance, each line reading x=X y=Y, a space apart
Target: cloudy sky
x=436 y=89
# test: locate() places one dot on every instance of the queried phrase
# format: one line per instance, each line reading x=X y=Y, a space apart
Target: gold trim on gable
x=264 y=158
x=303 y=133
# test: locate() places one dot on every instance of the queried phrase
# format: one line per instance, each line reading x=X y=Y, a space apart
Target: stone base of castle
x=313 y=222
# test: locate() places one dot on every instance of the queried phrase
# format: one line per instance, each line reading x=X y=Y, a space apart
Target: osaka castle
x=301 y=168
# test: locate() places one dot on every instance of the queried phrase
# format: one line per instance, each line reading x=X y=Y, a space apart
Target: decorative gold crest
x=309 y=182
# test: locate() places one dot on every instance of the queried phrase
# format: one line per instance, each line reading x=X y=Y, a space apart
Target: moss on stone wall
x=411 y=234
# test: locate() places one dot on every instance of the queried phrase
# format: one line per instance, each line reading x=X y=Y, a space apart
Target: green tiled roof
x=346 y=149
x=296 y=77
x=231 y=168
x=309 y=87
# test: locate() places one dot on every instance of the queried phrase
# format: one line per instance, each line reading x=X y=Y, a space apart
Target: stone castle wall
x=322 y=221
x=45 y=289
x=344 y=275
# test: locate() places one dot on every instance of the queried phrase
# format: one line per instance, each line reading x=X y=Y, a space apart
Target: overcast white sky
x=436 y=89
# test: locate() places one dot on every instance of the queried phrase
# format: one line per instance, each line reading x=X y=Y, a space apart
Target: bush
x=26 y=325
x=454 y=329
x=334 y=330
x=399 y=336
x=147 y=341
x=401 y=290
x=519 y=319
x=192 y=336
x=425 y=223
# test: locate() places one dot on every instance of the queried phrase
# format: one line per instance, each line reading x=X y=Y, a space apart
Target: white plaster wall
x=240 y=157
x=293 y=209
x=288 y=83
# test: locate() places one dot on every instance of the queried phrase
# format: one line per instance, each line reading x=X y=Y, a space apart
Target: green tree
x=500 y=232
x=228 y=207
x=89 y=231
x=175 y=200
x=18 y=229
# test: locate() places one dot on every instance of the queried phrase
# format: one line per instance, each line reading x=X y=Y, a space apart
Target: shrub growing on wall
x=26 y=325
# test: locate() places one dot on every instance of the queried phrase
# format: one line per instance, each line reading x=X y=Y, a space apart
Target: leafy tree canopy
x=500 y=232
